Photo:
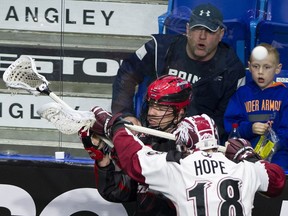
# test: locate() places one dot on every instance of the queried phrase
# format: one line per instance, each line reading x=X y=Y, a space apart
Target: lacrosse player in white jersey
x=197 y=178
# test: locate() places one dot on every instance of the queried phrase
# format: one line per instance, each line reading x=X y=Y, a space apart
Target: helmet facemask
x=168 y=118
x=168 y=94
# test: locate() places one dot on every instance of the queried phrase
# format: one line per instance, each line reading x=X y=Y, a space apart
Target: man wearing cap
x=199 y=56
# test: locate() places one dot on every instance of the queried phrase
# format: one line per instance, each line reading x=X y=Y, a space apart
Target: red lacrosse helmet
x=170 y=90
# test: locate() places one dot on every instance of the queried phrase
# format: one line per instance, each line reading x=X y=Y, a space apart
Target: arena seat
x=240 y=19
x=274 y=30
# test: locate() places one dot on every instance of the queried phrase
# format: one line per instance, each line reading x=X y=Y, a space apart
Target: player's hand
x=134 y=121
x=240 y=149
x=260 y=128
x=105 y=161
x=102 y=118
x=118 y=121
x=94 y=146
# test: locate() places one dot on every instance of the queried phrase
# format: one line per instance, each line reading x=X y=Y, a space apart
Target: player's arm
x=115 y=186
x=131 y=73
x=128 y=146
x=277 y=179
x=240 y=149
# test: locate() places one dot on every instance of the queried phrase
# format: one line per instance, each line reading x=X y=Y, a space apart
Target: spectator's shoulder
x=228 y=56
x=281 y=88
x=242 y=91
x=280 y=85
x=243 y=88
x=167 y=38
x=228 y=50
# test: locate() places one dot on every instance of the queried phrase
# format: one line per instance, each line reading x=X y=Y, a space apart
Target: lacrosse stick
x=67 y=120
x=70 y=121
x=22 y=74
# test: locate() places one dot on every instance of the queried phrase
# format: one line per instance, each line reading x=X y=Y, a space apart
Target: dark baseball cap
x=208 y=16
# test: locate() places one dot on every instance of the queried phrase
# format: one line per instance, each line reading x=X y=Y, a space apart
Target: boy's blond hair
x=271 y=50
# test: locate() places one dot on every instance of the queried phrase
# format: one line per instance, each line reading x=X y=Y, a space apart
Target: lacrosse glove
x=95 y=152
x=106 y=123
x=102 y=118
x=240 y=149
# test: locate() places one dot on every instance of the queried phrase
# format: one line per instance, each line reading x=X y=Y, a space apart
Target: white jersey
x=204 y=184
x=200 y=184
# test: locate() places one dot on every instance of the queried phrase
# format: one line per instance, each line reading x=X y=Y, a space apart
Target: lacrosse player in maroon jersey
x=198 y=179
x=166 y=102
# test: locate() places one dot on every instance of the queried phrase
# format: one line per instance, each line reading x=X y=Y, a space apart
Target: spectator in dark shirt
x=211 y=66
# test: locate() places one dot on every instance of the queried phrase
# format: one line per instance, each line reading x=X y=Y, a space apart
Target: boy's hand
x=260 y=128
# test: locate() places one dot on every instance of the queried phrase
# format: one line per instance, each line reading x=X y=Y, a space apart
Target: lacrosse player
x=166 y=103
x=198 y=179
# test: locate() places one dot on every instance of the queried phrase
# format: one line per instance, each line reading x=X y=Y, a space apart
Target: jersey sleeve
x=115 y=186
x=132 y=72
x=141 y=162
x=277 y=179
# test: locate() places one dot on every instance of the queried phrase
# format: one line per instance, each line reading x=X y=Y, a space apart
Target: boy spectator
x=262 y=103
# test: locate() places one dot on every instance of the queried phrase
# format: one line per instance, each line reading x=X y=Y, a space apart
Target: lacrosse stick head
x=22 y=74
x=67 y=121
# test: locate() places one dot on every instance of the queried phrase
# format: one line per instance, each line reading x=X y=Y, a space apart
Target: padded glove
x=106 y=123
x=95 y=152
x=240 y=149
x=102 y=118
